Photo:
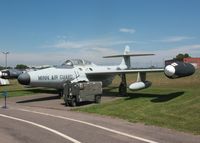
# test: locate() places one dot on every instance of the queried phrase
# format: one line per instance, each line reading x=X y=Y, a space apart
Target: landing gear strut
x=60 y=93
x=123 y=85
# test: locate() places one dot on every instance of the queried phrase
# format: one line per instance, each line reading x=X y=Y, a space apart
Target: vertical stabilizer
x=126 y=63
x=126 y=50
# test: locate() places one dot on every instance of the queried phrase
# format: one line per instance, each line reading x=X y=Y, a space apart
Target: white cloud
x=36 y=58
x=162 y=55
x=94 y=50
x=193 y=50
x=63 y=49
x=55 y=58
x=95 y=55
x=173 y=39
x=88 y=44
x=68 y=44
x=127 y=30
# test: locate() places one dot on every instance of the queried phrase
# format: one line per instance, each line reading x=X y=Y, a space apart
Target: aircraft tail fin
x=126 y=62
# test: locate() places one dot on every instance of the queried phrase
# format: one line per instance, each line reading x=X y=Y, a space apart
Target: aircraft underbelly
x=49 y=84
x=105 y=79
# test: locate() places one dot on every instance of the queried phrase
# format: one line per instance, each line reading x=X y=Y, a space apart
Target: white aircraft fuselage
x=55 y=77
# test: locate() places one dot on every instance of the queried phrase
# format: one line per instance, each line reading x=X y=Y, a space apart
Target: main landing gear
x=60 y=93
x=123 y=85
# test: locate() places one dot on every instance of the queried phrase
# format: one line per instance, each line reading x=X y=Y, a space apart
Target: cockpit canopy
x=76 y=62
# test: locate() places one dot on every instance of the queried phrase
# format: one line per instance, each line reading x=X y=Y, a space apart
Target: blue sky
x=39 y=32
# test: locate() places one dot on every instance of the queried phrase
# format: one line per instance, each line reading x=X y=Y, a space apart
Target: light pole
x=6 y=54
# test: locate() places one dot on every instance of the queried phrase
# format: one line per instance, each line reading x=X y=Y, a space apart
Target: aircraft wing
x=122 y=71
x=141 y=79
x=174 y=70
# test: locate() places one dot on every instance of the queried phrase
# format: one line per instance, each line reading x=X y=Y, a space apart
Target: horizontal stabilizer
x=126 y=58
x=128 y=55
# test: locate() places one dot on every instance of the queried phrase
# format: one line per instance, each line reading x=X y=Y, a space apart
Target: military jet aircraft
x=79 y=70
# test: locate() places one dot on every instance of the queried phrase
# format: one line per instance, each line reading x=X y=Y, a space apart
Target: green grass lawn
x=168 y=103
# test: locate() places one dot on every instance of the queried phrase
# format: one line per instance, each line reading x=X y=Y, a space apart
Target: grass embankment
x=168 y=103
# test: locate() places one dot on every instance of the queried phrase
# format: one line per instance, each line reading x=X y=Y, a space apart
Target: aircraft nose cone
x=24 y=79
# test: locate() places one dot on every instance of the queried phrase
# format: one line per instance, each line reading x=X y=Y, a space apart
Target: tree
x=1 y=67
x=180 y=56
x=21 y=66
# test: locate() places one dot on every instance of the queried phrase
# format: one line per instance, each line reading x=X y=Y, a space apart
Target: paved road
x=32 y=120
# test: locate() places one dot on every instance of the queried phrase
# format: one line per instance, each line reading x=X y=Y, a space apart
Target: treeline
x=18 y=66
x=180 y=56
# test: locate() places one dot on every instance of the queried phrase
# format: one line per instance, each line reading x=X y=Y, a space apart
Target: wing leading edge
x=122 y=71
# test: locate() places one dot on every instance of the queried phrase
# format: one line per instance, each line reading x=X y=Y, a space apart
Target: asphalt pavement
x=45 y=118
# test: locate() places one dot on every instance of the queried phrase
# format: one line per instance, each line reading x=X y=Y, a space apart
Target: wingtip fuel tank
x=179 y=69
x=10 y=73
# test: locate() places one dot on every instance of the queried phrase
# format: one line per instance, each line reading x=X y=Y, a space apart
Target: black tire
x=60 y=94
x=122 y=90
x=73 y=102
x=66 y=103
x=98 y=99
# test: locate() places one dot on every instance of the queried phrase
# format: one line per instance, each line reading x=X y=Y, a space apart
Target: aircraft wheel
x=73 y=102
x=122 y=90
x=60 y=94
x=66 y=103
x=97 y=98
